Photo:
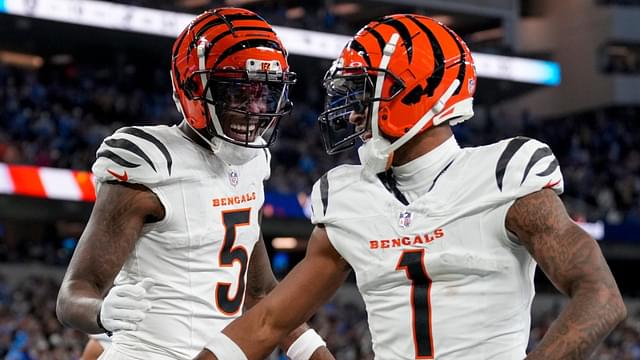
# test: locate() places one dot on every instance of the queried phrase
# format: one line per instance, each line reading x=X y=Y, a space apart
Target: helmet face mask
x=247 y=106
x=349 y=98
x=420 y=74
x=231 y=77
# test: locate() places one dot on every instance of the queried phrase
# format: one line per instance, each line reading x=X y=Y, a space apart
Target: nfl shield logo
x=405 y=219
x=233 y=177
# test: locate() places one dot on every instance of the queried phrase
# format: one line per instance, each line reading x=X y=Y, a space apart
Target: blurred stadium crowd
x=29 y=329
x=57 y=116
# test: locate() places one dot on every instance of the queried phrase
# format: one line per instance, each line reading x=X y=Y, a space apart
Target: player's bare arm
x=119 y=213
x=309 y=285
x=260 y=278
x=574 y=263
x=260 y=281
x=92 y=350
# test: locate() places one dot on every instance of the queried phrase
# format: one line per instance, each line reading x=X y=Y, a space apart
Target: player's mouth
x=244 y=130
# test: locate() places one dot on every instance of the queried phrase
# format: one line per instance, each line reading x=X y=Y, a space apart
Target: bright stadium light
x=284 y=243
x=299 y=42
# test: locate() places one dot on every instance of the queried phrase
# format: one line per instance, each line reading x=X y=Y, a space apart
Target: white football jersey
x=441 y=277
x=199 y=253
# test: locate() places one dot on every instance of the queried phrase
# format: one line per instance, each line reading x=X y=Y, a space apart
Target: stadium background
x=69 y=77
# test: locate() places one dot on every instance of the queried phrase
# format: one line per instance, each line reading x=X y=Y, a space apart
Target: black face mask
x=247 y=105
x=350 y=92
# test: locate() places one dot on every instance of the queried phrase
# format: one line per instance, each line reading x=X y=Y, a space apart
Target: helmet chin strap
x=376 y=154
x=229 y=153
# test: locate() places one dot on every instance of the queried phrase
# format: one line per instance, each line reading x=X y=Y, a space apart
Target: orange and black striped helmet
x=427 y=61
x=231 y=77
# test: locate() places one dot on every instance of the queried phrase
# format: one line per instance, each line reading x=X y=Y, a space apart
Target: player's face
x=363 y=126
x=241 y=107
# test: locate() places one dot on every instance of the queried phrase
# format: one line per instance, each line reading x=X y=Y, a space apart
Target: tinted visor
x=252 y=97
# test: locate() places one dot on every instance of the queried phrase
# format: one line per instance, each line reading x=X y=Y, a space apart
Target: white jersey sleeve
x=331 y=199
x=525 y=166
x=133 y=155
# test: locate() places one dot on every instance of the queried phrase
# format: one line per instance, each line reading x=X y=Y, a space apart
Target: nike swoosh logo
x=123 y=177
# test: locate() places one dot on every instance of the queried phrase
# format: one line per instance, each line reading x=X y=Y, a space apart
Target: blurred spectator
x=29 y=329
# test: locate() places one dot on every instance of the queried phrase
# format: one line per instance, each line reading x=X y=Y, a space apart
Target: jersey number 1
x=230 y=254
x=412 y=263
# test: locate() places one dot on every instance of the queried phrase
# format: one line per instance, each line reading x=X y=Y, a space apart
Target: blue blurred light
x=280 y=262
x=69 y=243
x=551 y=75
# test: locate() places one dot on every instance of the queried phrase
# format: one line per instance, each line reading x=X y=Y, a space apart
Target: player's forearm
x=266 y=334
x=78 y=305
x=587 y=319
x=255 y=294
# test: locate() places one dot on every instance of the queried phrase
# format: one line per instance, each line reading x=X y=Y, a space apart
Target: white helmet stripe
x=386 y=57
x=202 y=65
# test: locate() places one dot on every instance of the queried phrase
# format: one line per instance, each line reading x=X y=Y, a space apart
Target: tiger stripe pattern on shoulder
x=116 y=148
x=538 y=155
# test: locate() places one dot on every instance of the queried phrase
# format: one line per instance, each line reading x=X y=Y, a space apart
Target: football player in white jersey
x=176 y=224
x=443 y=240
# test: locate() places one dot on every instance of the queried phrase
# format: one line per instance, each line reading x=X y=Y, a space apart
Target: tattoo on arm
x=574 y=263
x=108 y=239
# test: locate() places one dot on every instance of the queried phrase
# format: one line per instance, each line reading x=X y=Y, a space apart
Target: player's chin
x=242 y=138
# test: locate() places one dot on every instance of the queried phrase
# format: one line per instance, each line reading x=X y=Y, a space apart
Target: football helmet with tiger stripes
x=404 y=73
x=231 y=77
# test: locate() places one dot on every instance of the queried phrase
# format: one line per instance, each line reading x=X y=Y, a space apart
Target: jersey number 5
x=230 y=254
x=412 y=263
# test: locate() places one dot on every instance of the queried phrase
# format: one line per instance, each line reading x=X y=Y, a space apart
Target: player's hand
x=125 y=306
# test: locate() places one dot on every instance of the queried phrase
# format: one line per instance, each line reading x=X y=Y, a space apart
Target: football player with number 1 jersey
x=176 y=224
x=443 y=240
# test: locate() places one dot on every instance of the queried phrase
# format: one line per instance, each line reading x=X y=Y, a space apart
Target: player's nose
x=357 y=118
x=257 y=106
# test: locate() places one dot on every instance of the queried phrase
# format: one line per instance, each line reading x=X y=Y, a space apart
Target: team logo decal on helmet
x=231 y=77
x=425 y=79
